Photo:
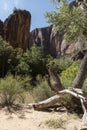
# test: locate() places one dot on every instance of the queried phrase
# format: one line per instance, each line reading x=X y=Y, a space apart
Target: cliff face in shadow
x=41 y=37
x=49 y=39
x=56 y=38
x=52 y=41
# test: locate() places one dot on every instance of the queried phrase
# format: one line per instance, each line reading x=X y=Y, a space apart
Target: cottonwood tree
x=73 y=22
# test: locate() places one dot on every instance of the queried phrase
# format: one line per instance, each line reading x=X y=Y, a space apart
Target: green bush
x=42 y=91
x=5 y=53
x=55 y=123
x=11 y=90
x=64 y=63
x=61 y=63
x=69 y=74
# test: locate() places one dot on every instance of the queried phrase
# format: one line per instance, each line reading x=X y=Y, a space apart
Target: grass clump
x=52 y=123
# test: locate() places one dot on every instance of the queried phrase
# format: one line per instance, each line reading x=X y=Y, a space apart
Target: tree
x=73 y=22
x=5 y=53
x=14 y=60
x=28 y=62
x=36 y=61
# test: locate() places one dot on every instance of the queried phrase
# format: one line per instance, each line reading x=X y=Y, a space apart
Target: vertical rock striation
x=56 y=38
x=16 y=29
x=41 y=37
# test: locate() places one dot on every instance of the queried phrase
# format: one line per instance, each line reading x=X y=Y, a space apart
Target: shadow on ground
x=84 y=129
x=18 y=110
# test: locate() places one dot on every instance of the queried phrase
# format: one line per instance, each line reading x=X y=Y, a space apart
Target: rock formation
x=41 y=37
x=56 y=38
x=49 y=39
x=52 y=41
x=1 y=28
x=16 y=29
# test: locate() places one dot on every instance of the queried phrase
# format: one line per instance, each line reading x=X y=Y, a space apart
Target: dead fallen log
x=47 y=103
x=57 y=99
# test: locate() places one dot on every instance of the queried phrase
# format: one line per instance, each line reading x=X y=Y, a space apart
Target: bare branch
x=57 y=99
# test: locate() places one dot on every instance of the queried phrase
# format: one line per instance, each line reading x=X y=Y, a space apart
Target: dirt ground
x=29 y=119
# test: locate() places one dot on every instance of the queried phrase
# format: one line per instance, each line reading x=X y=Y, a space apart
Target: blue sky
x=37 y=8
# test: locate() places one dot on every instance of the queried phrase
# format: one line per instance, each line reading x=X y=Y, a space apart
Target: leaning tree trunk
x=79 y=80
x=75 y=91
x=55 y=84
x=78 y=83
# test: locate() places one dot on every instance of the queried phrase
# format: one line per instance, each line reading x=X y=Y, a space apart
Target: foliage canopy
x=72 y=21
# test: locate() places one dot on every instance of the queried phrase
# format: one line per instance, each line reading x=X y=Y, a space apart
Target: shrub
x=26 y=83
x=42 y=91
x=69 y=74
x=5 y=53
x=10 y=90
x=61 y=63
x=64 y=63
x=59 y=123
x=67 y=77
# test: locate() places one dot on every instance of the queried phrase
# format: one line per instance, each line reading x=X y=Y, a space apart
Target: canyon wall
x=16 y=29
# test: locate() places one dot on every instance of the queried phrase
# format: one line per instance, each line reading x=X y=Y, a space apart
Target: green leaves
x=10 y=90
x=5 y=53
x=68 y=75
x=72 y=21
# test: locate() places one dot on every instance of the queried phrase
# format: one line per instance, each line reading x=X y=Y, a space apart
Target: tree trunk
x=79 y=80
x=75 y=91
x=55 y=80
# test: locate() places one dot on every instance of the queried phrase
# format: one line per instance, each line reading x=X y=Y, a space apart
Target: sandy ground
x=28 y=119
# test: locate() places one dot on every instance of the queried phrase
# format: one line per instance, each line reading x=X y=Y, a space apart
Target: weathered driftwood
x=56 y=99
x=47 y=103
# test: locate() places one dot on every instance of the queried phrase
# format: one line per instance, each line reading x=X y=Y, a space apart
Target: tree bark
x=79 y=80
x=55 y=82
